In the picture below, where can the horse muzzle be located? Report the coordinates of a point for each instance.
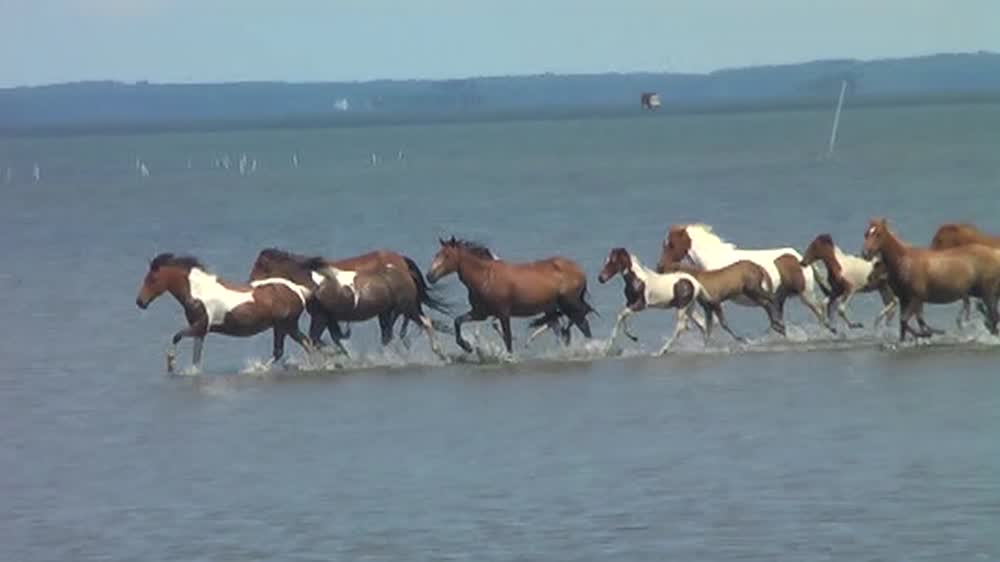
(141, 303)
(432, 277)
(602, 278)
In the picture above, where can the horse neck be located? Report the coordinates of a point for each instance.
(179, 286)
(834, 261)
(471, 268)
(893, 249)
(640, 271)
(711, 256)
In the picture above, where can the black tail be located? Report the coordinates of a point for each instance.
(425, 292)
(583, 299)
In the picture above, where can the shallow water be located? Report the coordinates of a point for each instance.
(817, 448)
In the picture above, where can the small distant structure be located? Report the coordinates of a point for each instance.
(342, 104)
(295, 160)
(650, 101)
(143, 170)
(36, 173)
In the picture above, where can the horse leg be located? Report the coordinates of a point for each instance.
(888, 306)
(725, 325)
(842, 312)
(709, 321)
(472, 315)
(508, 338)
(780, 296)
(198, 330)
(928, 330)
(428, 327)
(278, 350)
(806, 300)
(317, 325)
(680, 326)
(621, 322)
(964, 313)
(336, 335)
(298, 337)
(385, 322)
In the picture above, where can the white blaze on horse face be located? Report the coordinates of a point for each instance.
(302, 292)
(317, 278)
(217, 299)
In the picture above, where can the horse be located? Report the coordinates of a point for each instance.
(553, 287)
(921, 275)
(272, 262)
(385, 291)
(743, 278)
(700, 244)
(212, 305)
(645, 288)
(956, 234)
(848, 275)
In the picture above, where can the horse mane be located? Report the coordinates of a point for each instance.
(475, 248)
(277, 254)
(706, 235)
(168, 259)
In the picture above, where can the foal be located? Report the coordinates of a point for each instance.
(644, 288)
(740, 280)
(211, 305)
(920, 275)
(847, 275)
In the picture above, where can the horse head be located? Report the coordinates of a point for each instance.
(875, 236)
(448, 256)
(165, 272)
(618, 262)
(820, 248)
(272, 262)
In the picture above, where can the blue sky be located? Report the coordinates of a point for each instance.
(45, 41)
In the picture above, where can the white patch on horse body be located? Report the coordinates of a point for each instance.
(854, 269)
(317, 278)
(344, 278)
(217, 299)
(659, 291)
(302, 292)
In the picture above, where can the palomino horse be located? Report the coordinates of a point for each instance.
(740, 279)
(384, 291)
(272, 262)
(644, 288)
(954, 234)
(553, 287)
(708, 251)
(919, 275)
(211, 305)
(847, 275)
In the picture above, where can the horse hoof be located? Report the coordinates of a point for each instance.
(856, 325)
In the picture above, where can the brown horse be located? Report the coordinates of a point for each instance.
(847, 275)
(956, 234)
(919, 275)
(742, 279)
(272, 262)
(211, 305)
(385, 291)
(553, 287)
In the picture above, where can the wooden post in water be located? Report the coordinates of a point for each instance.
(836, 117)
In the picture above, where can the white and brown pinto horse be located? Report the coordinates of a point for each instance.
(700, 244)
(645, 288)
(920, 275)
(553, 287)
(848, 275)
(212, 305)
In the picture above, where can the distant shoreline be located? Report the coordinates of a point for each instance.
(360, 119)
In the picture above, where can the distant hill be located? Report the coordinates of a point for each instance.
(119, 106)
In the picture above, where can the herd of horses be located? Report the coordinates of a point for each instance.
(696, 274)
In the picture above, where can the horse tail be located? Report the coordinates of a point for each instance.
(587, 307)
(426, 293)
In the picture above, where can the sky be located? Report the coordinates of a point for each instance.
(49, 41)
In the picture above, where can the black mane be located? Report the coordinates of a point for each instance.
(475, 248)
(167, 259)
(825, 239)
(276, 254)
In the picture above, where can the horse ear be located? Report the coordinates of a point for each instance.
(441, 241)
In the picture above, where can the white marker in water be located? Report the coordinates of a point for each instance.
(8, 175)
(295, 160)
(253, 166)
(399, 156)
(243, 164)
(143, 170)
(189, 163)
(374, 159)
(836, 118)
(36, 173)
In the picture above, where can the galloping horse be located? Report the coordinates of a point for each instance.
(919, 275)
(645, 288)
(952, 235)
(211, 305)
(553, 287)
(708, 251)
(847, 275)
(743, 278)
(272, 262)
(384, 291)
